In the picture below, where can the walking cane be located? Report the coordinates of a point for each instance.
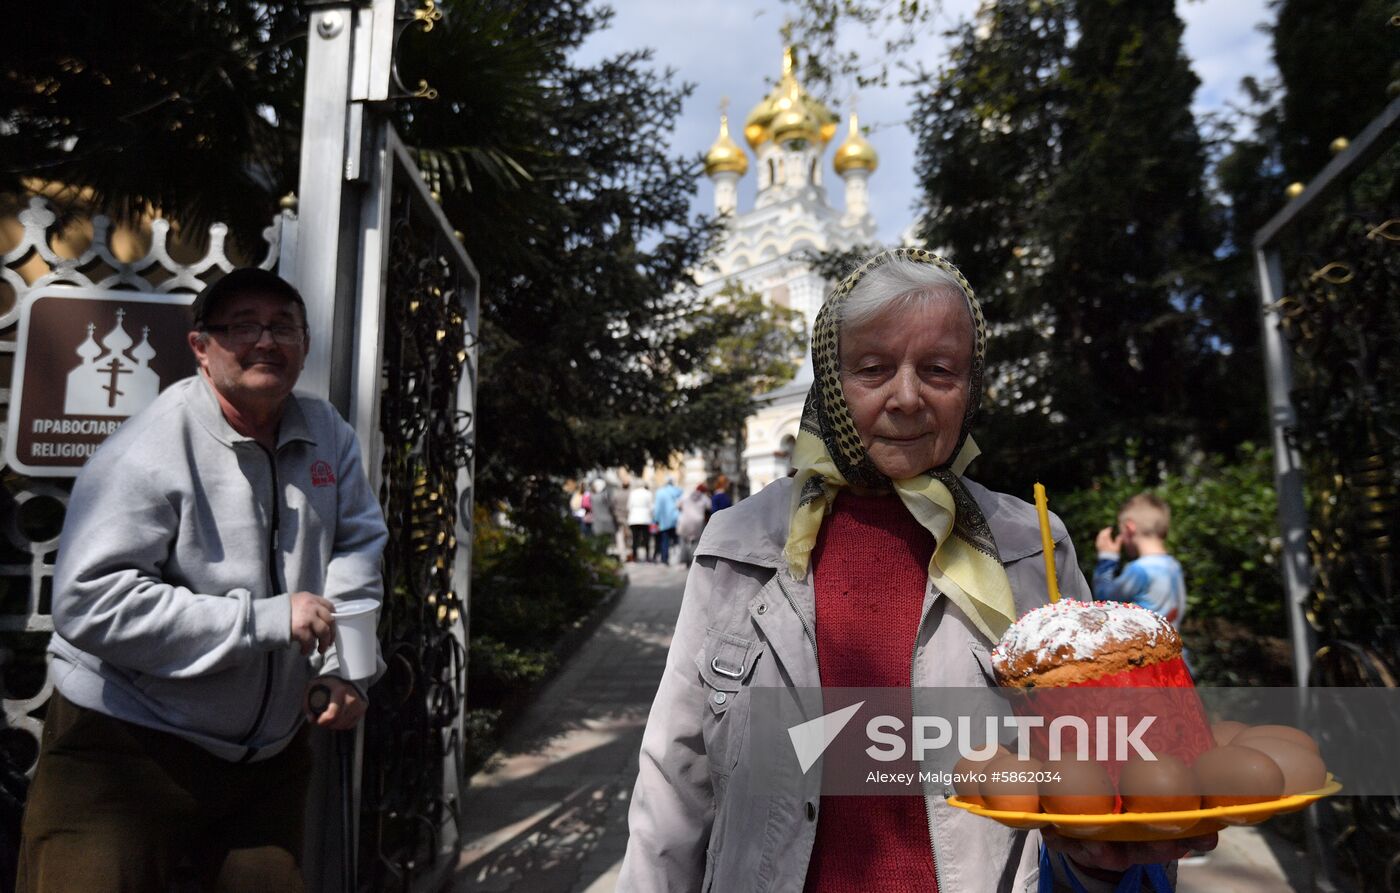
(318, 700)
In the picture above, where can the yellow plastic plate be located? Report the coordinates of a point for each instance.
(1143, 826)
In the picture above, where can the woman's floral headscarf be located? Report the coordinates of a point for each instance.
(829, 455)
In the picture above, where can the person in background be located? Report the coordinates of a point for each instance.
(206, 546)
(666, 512)
(618, 491)
(639, 519)
(1148, 577)
(884, 559)
(576, 509)
(721, 499)
(604, 524)
(695, 511)
(586, 503)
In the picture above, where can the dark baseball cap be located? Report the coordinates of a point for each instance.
(244, 281)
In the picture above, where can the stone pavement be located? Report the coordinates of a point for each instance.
(549, 812)
(1248, 860)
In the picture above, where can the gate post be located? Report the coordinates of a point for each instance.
(338, 267)
(330, 45)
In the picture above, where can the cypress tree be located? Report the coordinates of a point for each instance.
(1063, 170)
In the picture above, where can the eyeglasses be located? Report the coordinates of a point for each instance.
(251, 332)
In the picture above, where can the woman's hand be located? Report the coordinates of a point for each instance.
(1105, 859)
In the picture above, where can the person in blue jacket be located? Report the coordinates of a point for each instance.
(1148, 576)
(666, 513)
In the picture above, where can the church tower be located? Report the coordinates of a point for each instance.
(726, 164)
(766, 248)
(855, 161)
(788, 132)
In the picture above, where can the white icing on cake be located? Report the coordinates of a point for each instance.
(1068, 631)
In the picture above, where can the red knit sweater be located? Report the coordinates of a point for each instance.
(870, 568)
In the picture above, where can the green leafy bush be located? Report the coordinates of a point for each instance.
(534, 579)
(1224, 532)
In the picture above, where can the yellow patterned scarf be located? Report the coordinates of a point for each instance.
(829, 455)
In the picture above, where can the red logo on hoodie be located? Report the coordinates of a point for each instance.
(322, 475)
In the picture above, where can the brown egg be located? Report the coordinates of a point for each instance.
(1225, 730)
(1285, 733)
(1303, 770)
(1084, 788)
(1012, 794)
(1234, 775)
(1165, 784)
(964, 777)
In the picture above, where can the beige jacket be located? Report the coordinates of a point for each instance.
(694, 825)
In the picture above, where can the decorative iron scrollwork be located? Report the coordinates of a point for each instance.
(1344, 325)
(426, 17)
(414, 733)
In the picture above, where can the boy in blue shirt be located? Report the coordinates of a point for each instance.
(1149, 577)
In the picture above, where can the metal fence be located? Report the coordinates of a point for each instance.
(1329, 272)
(413, 747)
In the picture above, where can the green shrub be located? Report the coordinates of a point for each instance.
(533, 581)
(1224, 531)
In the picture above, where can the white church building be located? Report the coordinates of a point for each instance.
(766, 246)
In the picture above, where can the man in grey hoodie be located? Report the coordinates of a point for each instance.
(205, 548)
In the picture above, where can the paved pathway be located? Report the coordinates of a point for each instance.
(549, 813)
(1248, 860)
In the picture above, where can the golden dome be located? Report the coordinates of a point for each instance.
(725, 155)
(802, 116)
(855, 153)
(795, 122)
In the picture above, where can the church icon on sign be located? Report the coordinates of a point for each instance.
(113, 379)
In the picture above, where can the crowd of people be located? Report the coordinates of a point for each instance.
(638, 524)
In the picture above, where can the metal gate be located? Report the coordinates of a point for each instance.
(1332, 343)
(392, 305)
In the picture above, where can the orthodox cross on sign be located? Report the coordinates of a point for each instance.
(113, 369)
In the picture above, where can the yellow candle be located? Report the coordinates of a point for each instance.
(1047, 543)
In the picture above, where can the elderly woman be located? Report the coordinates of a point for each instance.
(883, 561)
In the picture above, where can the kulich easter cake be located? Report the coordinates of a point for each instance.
(1116, 667)
(1079, 643)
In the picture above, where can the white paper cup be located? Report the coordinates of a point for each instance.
(355, 639)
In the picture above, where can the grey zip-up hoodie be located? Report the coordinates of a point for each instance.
(181, 546)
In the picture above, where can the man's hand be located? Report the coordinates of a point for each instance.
(341, 711)
(313, 622)
(1107, 541)
(1105, 859)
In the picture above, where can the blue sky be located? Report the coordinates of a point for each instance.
(734, 49)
